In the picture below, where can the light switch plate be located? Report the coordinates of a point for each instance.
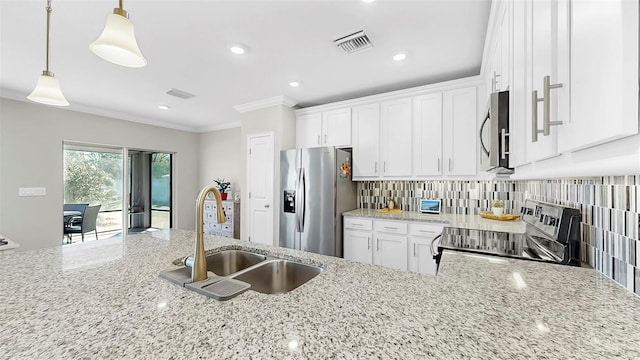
(35, 191)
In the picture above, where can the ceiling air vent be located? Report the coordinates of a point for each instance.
(179, 93)
(353, 42)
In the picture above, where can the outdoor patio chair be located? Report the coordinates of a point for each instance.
(88, 223)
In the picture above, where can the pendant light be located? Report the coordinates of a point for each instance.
(47, 90)
(117, 43)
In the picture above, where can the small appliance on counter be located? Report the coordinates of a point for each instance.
(552, 235)
(494, 133)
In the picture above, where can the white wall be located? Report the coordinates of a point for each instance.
(31, 155)
(221, 157)
(281, 121)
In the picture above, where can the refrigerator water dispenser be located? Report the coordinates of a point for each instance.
(289, 201)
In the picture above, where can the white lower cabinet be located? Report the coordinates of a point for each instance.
(398, 245)
(357, 246)
(420, 256)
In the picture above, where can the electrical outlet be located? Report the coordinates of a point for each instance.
(473, 194)
(36, 191)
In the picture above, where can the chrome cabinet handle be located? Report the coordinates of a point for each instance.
(318, 139)
(325, 138)
(414, 249)
(266, 206)
(546, 102)
(354, 224)
(438, 164)
(494, 82)
(546, 88)
(378, 244)
(449, 164)
(504, 134)
(385, 165)
(368, 243)
(427, 231)
(390, 228)
(534, 115)
(375, 167)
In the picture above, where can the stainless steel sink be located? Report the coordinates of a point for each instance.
(232, 272)
(227, 262)
(278, 276)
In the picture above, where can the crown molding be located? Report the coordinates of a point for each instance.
(225, 126)
(261, 104)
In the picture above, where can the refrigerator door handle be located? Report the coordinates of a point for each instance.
(303, 198)
(298, 200)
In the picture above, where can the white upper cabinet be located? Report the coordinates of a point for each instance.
(460, 132)
(366, 140)
(548, 73)
(309, 131)
(604, 73)
(427, 135)
(330, 128)
(395, 131)
(519, 95)
(499, 50)
(336, 127)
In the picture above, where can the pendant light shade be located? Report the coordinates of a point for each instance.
(117, 43)
(47, 89)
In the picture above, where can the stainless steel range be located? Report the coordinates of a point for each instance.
(552, 235)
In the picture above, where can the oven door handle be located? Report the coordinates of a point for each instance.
(434, 253)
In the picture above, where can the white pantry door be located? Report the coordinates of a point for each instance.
(260, 185)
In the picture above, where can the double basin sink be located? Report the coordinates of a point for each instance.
(231, 272)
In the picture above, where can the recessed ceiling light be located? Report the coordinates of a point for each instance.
(399, 56)
(238, 49)
(368, 1)
(295, 83)
(164, 107)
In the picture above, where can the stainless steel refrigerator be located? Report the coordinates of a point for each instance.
(315, 189)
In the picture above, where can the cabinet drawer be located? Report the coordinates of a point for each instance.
(392, 227)
(357, 223)
(209, 206)
(427, 230)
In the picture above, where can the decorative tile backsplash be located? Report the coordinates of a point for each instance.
(610, 209)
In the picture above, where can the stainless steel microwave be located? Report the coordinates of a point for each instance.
(494, 135)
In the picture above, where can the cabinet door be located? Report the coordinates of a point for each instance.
(396, 137)
(546, 43)
(308, 131)
(390, 251)
(336, 128)
(427, 135)
(459, 131)
(519, 96)
(366, 140)
(357, 246)
(604, 73)
(420, 257)
(505, 47)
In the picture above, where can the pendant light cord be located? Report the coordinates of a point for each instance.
(48, 20)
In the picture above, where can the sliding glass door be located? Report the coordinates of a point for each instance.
(160, 190)
(93, 175)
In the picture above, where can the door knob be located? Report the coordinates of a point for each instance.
(266, 205)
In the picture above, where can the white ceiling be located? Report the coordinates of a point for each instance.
(186, 44)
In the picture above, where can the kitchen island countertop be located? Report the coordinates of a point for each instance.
(105, 300)
(452, 220)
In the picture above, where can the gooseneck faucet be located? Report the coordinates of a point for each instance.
(199, 266)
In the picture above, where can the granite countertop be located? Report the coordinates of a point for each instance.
(459, 221)
(105, 300)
